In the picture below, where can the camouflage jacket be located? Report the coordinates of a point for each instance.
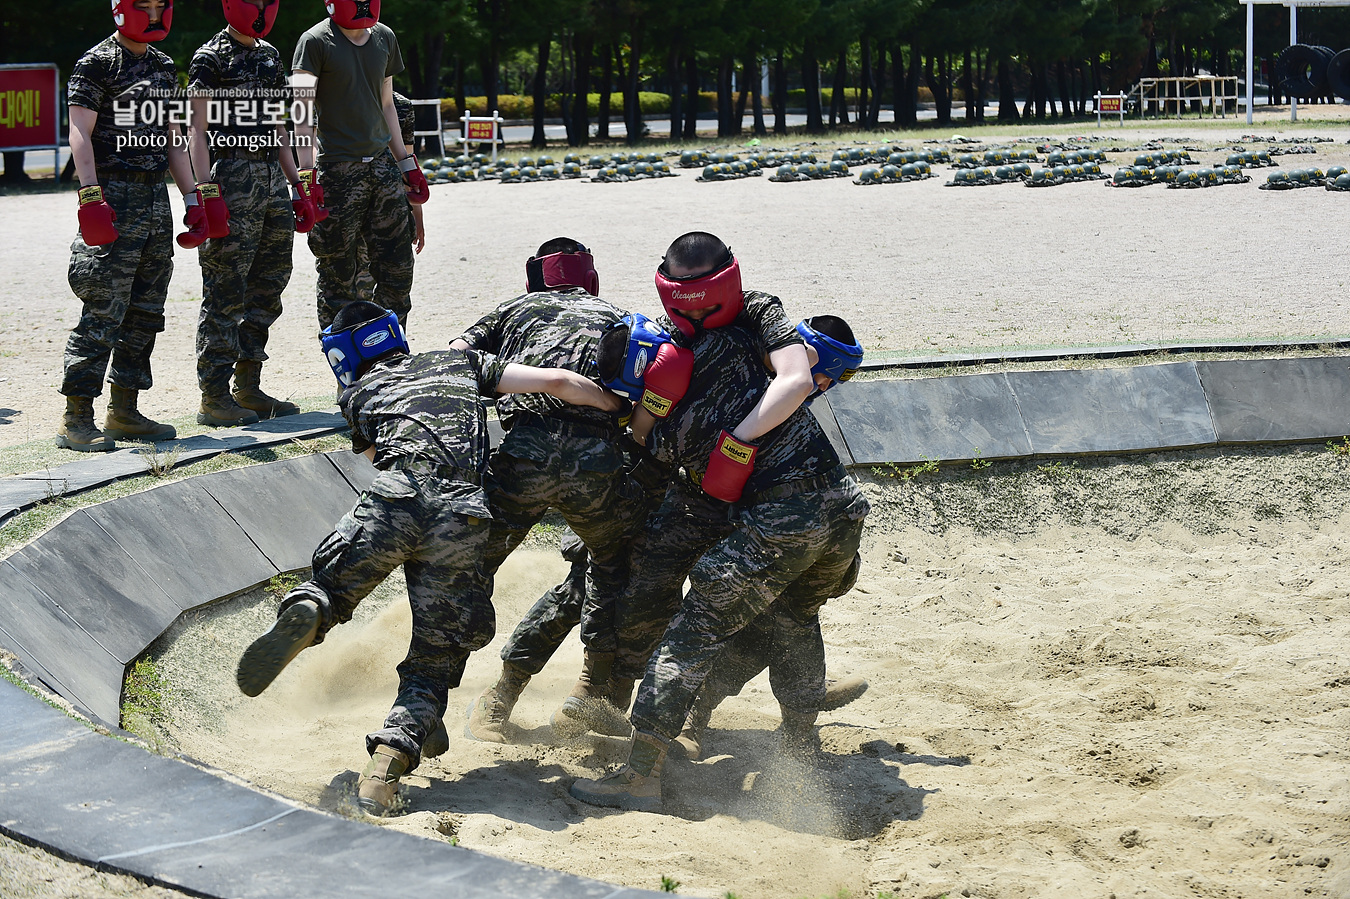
(549, 329)
(763, 315)
(138, 90)
(240, 80)
(405, 110)
(728, 380)
(426, 410)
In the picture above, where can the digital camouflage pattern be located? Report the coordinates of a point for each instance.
(122, 285)
(365, 282)
(548, 622)
(243, 274)
(762, 316)
(109, 75)
(242, 79)
(795, 535)
(794, 653)
(427, 512)
(414, 521)
(548, 329)
(367, 207)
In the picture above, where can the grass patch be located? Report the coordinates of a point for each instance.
(145, 698)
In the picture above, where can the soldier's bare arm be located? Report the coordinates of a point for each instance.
(565, 385)
(82, 123)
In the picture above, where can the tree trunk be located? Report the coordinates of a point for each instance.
(1007, 100)
(879, 68)
(424, 71)
(606, 85)
(815, 122)
(632, 101)
(460, 103)
(912, 84)
(779, 94)
(1062, 77)
(942, 92)
(676, 94)
(14, 173)
(725, 103)
(864, 82)
(541, 94)
(968, 86)
(748, 81)
(579, 128)
(757, 103)
(839, 96)
(691, 85)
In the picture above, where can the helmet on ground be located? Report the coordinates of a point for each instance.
(870, 176)
(1279, 176)
(839, 166)
(1342, 181)
(908, 170)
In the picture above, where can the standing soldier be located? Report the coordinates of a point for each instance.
(239, 98)
(121, 262)
(365, 283)
(350, 59)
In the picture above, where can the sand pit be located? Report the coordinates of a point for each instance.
(1104, 678)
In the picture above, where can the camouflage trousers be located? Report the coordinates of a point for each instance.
(581, 477)
(243, 274)
(122, 285)
(404, 519)
(367, 206)
(796, 550)
(553, 615)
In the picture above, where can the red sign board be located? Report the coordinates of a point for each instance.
(1108, 104)
(481, 130)
(29, 107)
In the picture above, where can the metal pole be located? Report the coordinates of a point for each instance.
(1293, 39)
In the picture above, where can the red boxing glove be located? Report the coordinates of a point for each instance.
(729, 467)
(310, 178)
(666, 379)
(418, 190)
(302, 204)
(217, 214)
(195, 220)
(96, 217)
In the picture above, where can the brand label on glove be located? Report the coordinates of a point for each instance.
(210, 190)
(656, 405)
(91, 194)
(736, 452)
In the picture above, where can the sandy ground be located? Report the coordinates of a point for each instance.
(1113, 678)
(917, 268)
(1103, 679)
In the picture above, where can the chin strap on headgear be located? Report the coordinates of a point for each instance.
(837, 361)
(562, 270)
(645, 339)
(350, 351)
(135, 23)
(247, 19)
(720, 288)
(354, 13)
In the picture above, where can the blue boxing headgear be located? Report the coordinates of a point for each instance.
(836, 360)
(350, 350)
(645, 337)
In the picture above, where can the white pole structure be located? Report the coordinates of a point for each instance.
(1293, 39)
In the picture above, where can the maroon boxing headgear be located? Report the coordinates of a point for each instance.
(354, 13)
(247, 19)
(135, 23)
(720, 287)
(562, 270)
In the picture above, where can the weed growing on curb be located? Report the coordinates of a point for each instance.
(1341, 449)
(891, 470)
(1057, 469)
(145, 696)
(979, 462)
(668, 884)
(160, 464)
(281, 584)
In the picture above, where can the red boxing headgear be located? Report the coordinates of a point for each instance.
(135, 23)
(354, 13)
(562, 270)
(247, 19)
(720, 287)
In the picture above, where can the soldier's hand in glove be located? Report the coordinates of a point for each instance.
(729, 467)
(311, 179)
(302, 204)
(217, 214)
(417, 188)
(96, 217)
(195, 220)
(666, 379)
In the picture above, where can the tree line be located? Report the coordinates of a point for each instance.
(1027, 59)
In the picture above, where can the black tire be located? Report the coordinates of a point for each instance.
(1338, 74)
(1302, 70)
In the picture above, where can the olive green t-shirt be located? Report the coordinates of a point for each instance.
(347, 101)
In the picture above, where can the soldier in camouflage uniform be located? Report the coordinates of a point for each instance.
(121, 261)
(364, 170)
(245, 272)
(562, 458)
(365, 282)
(421, 421)
(797, 524)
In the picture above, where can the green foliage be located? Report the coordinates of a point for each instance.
(891, 470)
(1057, 469)
(979, 461)
(281, 584)
(668, 884)
(1341, 449)
(145, 696)
(514, 106)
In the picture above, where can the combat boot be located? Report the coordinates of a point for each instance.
(797, 734)
(248, 392)
(636, 786)
(690, 739)
(378, 787)
(295, 628)
(839, 693)
(78, 431)
(621, 692)
(221, 411)
(437, 742)
(125, 422)
(588, 704)
(491, 711)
